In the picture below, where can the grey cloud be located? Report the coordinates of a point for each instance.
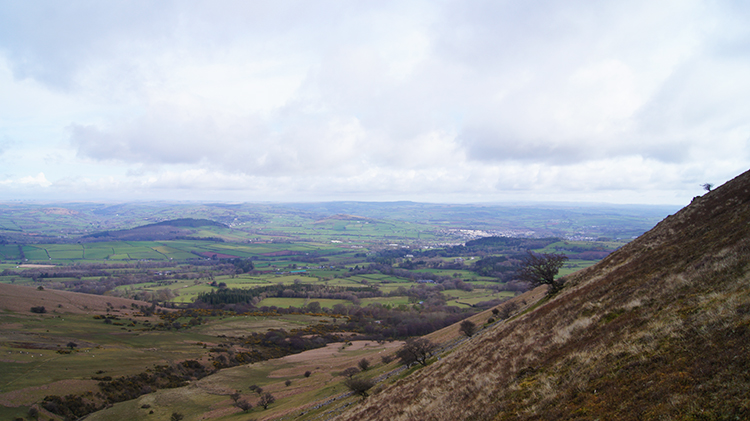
(51, 41)
(54, 42)
(486, 144)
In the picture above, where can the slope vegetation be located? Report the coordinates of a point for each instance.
(660, 329)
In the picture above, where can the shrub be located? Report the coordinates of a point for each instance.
(38, 309)
(350, 372)
(359, 385)
(308, 373)
(363, 364)
(468, 328)
(33, 412)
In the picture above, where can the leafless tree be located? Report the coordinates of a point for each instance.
(416, 350)
(350, 372)
(266, 400)
(541, 269)
(244, 405)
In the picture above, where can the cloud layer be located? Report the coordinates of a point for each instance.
(435, 101)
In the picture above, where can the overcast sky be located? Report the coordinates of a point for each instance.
(435, 101)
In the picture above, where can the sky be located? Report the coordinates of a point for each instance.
(637, 102)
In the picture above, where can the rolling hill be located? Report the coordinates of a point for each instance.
(165, 230)
(660, 329)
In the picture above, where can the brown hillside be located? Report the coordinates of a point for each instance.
(660, 329)
(21, 298)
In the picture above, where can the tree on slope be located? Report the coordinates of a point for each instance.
(541, 269)
(266, 400)
(468, 328)
(416, 350)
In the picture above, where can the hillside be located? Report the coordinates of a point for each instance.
(659, 329)
(15, 298)
(165, 230)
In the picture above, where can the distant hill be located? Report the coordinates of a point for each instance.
(342, 217)
(187, 222)
(660, 329)
(165, 230)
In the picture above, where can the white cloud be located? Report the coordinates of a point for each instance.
(28, 181)
(446, 101)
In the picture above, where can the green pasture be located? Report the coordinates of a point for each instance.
(65, 251)
(574, 266)
(179, 250)
(9, 252)
(35, 253)
(464, 299)
(393, 301)
(115, 350)
(485, 282)
(238, 326)
(342, 282)
(387, 288)
(283, 302)
(380, 278)
(323, 273)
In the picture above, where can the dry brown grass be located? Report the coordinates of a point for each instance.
(660, 329)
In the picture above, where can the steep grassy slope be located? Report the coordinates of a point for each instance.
(658, 330)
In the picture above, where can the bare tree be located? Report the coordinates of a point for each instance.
(350, 372)
(707, 187)
(508, 310)
(244, 405)
(266, 400)
(235, 397)
(541, 269)
(416, 350)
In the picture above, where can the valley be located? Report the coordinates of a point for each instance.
(290, 299)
